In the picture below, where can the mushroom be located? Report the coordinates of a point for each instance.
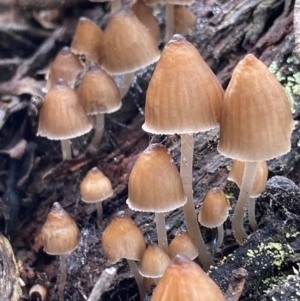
(98, 94)
(60, 236)
(184, 20)
(88, 41)
(128, 50)
(38, 292)
(256, 125)
(67, 66)
(259, 185)
(214, 212)
(183, 244)
(123, 239)
(184, 280)
(184, 97)
(95, 188)
(62, 117)
(155, 186)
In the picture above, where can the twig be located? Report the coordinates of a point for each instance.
(236, 284)
(102, 284)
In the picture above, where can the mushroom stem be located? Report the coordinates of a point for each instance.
(242, 202)
(99, 213)
(99, 130)
(63, 276)
(169, 22)
(115, 6)
(138, 278)
(186, 173)
(125, 84)
(161, 231)
(66, 149)
(220, 237)
(251, 214)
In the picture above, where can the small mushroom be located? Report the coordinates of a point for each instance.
(38, 292)
(60, 236)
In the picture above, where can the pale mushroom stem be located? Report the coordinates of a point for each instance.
(186, 173)
(63, 277)
(242, 202)
(115, 6)
(99, 213)
(169, 22)
(251, 214)
(99, 130)
(125, 84)
(138, 278)
(220, 237)
(161, 231)
(66, 149)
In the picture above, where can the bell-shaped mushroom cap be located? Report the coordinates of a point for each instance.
(256, 121)
(183, 96)
(178, 2)
(95, 187)
(183, 244)
(184, 20)
(60, 234)
(129, 49)
(145, 15)
(214, 210)
(154, 262)
(61, 115)
(261, 176)
(88, 40)
(184, 280)
(38, 292)
(67, 66)
(97, 92)
(154, 182)
(123, 239)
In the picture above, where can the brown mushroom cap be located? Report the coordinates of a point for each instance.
(95, 187)
(184, 280)
(261, 176)
(154, 262)
(67, 66)
(123, 239)
(184, 19)
(97, 92)
(214, 210)
(129, 49)
(60, 234)
(183, 244)
(154, 182)
(61, 115)
(145, 15)
(183, 96)
(256, 121)
(88, 40)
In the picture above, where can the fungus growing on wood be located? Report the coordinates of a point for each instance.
(62, 117)
(38, 292)
(67, 66)
(184, 20)
(155, 186)
(60, 236)
(123, 239)
(95, 188)
(98, 94)
(184, 280)
(259, 185)
(214, 212)
(256, 125)
(184, 86)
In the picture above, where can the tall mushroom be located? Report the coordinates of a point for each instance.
(155, 186)
(184, 97)
(256, 125)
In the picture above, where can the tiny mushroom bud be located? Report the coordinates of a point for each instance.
(154, 262)
(123, 239)
(95, 188)
(259, 185)
(184, 280)
(214, 212)
(60, 236)
(62, 116)
(183, 244)
(38, 292)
